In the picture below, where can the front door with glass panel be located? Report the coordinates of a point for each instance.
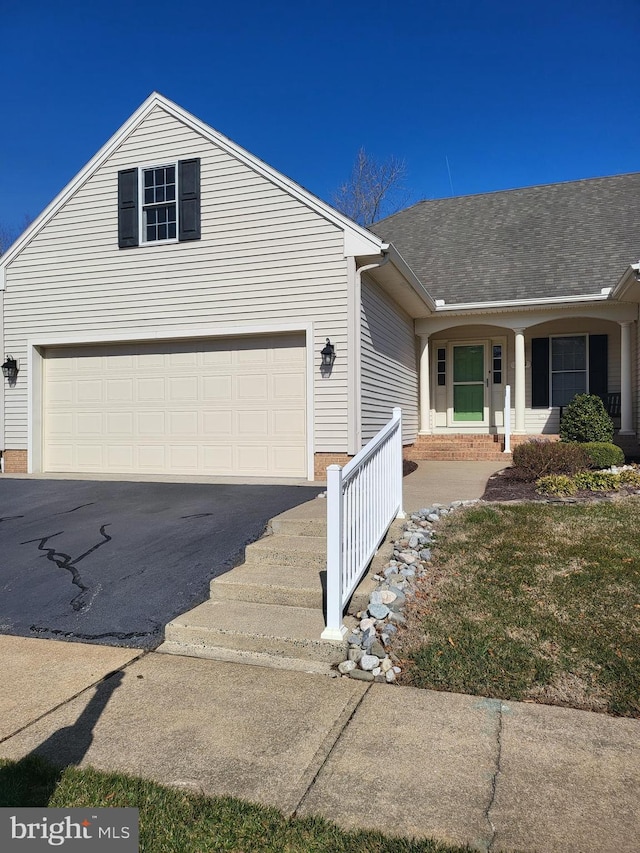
(469, 384)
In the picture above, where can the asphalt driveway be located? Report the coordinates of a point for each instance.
(113, 562)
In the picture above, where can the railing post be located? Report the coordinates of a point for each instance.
(397, 415)
(334, 630)
(507, 419)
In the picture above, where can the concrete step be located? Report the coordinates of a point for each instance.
(266, 583)
(307, 519)
(246, 632)
(310, 552)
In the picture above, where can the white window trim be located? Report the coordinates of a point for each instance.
(142, 231)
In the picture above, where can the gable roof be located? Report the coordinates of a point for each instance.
(358, 240)
(556, 240)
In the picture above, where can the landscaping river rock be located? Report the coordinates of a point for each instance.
(370, 657)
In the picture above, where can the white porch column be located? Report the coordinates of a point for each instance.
(626, 393)
(519, 383)
(425, 379)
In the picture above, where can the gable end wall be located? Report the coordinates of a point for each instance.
(264, 258)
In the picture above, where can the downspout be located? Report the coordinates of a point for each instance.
(354, 443)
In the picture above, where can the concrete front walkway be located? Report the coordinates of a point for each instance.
(498, 775)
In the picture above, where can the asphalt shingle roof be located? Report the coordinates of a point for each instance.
(567, 239)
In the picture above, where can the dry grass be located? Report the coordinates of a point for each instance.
(532, 601)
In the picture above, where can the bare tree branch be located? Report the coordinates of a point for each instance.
(375, 189)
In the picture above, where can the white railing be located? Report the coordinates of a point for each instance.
(507, 419)
(363, 498)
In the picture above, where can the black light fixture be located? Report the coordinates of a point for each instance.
(328, 354)
(10, 369)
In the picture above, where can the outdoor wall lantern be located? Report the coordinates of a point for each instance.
(10, 369)
(328, 354)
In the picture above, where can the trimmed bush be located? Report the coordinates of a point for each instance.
(597, 481)
(603, 454)
(585, 419)
(535, 459)
(630, 477)
(556, 484)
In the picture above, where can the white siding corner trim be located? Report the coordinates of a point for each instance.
(36, 347)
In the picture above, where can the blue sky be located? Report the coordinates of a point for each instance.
(512, 93)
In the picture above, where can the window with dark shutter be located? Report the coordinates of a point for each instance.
(159, 204)
(598, 366)
(127, 208)
(189, 189)
(540, 372)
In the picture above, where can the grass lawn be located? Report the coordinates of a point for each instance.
(534, 602)
(172, 821)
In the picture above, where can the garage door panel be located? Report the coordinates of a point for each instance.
(119, 390)
(150, 423)
(229, 406)
(150, 389)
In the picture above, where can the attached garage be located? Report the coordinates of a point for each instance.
(227, 406)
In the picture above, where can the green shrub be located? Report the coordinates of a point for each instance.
(603, 454)
(597, 481)
(535, 459)
(585, 419)
(556, 484)
(630, 477)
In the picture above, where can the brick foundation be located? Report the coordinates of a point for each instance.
(463, 447)
(321, 462)
(15, 461)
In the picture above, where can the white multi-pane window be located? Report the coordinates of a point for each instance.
(159, 207)
(568, 368)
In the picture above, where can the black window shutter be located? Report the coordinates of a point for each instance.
(189, 190)
(598, 365)
(540, 372)
(127, 208)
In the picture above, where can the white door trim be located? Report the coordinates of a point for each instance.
(484, 423)
(35, 347)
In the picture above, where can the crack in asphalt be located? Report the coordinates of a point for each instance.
(10, 517)
(118, 635)
(67, 562)
(67, 511)
(198, 515)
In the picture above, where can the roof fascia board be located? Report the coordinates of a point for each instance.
(630, 277)
(408, 274)
(358, 240)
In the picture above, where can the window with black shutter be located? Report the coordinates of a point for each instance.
(565, 365)
(159, 204)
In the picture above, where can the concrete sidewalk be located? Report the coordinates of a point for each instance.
(498, 775)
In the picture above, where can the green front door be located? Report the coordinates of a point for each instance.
(468, 383)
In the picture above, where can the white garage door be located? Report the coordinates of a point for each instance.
(224, 406)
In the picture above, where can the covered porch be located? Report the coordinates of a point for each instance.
(546, 356)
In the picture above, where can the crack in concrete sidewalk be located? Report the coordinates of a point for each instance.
(494, 778)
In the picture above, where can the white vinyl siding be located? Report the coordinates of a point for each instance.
(389, 373)
(264, 258)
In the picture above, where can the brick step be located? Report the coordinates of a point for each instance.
(458, 456)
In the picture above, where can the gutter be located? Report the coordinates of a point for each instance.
(441, 307)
